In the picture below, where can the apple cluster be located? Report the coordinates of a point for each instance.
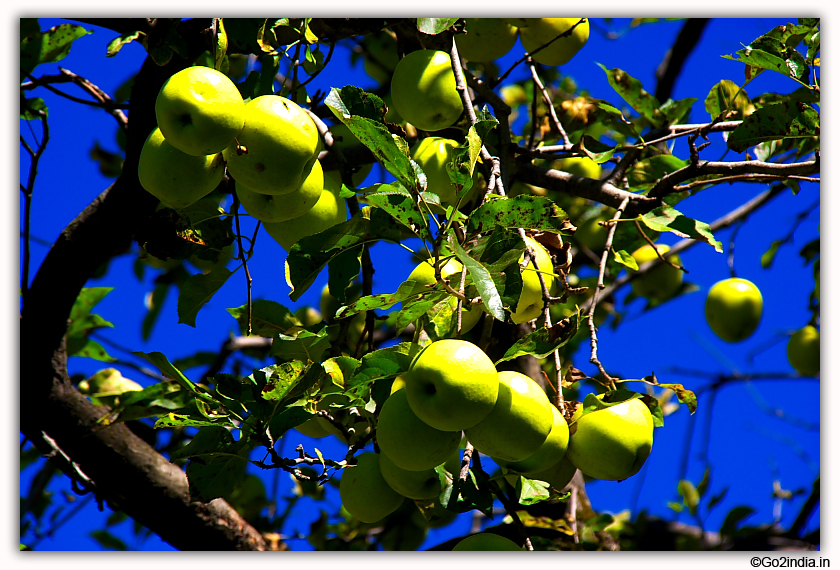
(452, 390)
(423, 87)
(269, 145)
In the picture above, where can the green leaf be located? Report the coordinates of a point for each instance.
(734, 518)
(304, 345)
(633, 93)
(684, 395)
(434, 26)
(208, 441)
(220, 52)
(533, 491)
(543, 341)
(666, 218)
(107, 540)
(281, 378)
(676, 111)
(167, 369)
(600, 522)
(47, 47)
(625, 258)
(363, 113)
(218, 476)
(117, 44)
(772, 51)
(689, 494)
(371, 302)
(88, 348)
(403, 207)
(785, 120)
(769, 255)
(197, 290)
(311, 254)
(523, 211)
(81, 320)
(482, 280)
(268, 318)
(727, 95)
(33, 108)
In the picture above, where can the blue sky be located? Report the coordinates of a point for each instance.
(750, 444)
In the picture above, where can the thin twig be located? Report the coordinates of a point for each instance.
(243, 257)
(602, 267)
(551, 111)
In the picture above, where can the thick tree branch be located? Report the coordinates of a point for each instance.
(674, 60)
(128, 473)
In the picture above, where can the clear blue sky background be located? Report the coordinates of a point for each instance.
(760, 432)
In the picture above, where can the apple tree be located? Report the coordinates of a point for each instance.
(531, 208)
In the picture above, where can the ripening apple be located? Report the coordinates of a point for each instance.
(200, 111)
(549, 453)
(733, 309)
(433, 154)
(486, 541)
(423, 90)
(270, 208)
(175, 178)
(328, 211)
(451, 385)
(382, 56)
(486, 39)
(424, 274)
(409, 535)
(535, 32)
(417, 485)
(364, 492)
(613, 442)
(592, 235)
(558, 475)
(531, 301)
(580, 166)
(518, 424)
(408, 441)
(276, 149)
(663, 281)
(803, 351)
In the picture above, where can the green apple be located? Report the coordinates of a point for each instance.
(662, 282)
(106, 386)
(558, 475)
(276, 149)
(592, 235)
(407, 536)
(451, 385)
(328, 211)
(175, 178)
(549, 453)
(200, 111)
(423, 90)
(424, 275)
(433, 154)
(318, 428)
(486, 39)
(364, 492)
(272, 208)
(531, 301)
(412, 484)
(518, 424)
(344, 139)
(803, 351)
(410, 443)
(580, 166)
(613, 442)
(381, 57)
(486, 541)
(535, 32)
(733, 309)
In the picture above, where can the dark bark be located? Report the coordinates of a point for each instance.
(676, 57)
(127, 472)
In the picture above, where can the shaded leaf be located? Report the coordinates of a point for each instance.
(734, 518)
(402, 205)
(785, 120)
(281, 378)
(304, 345)
(434, 26)
(543, 341)
(523, 211)
(666, 218)
(646, 172)
(268, 318)
(197, 290)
